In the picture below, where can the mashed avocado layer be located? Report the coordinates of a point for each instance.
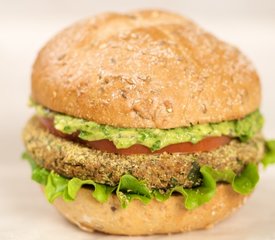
(153, 138)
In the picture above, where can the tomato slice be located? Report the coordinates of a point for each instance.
(205, 145)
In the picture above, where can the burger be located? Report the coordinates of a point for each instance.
(144, 124)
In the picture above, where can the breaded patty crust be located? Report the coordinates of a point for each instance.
(164, 170)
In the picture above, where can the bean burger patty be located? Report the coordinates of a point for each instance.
(71, 159)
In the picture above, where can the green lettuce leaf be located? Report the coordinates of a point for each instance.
(198, 196)
(101, 192)
(247, 181)
(39, 175)
(130, 188)
(195, 197)
(269, 157)
(56, 186)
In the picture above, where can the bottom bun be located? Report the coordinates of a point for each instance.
(154, 218)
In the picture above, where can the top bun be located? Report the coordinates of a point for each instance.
(145, 69)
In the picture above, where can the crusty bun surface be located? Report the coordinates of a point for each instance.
(144, 69)
(154, 218)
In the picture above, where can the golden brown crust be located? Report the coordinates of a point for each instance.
(144, 69)
(154, 218)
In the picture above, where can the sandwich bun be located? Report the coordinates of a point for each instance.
(155, 218)
(145, 69)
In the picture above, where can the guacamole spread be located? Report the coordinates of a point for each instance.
(153, 138)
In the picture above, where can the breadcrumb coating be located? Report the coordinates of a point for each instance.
(160, 171)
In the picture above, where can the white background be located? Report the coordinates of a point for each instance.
(26, 25)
